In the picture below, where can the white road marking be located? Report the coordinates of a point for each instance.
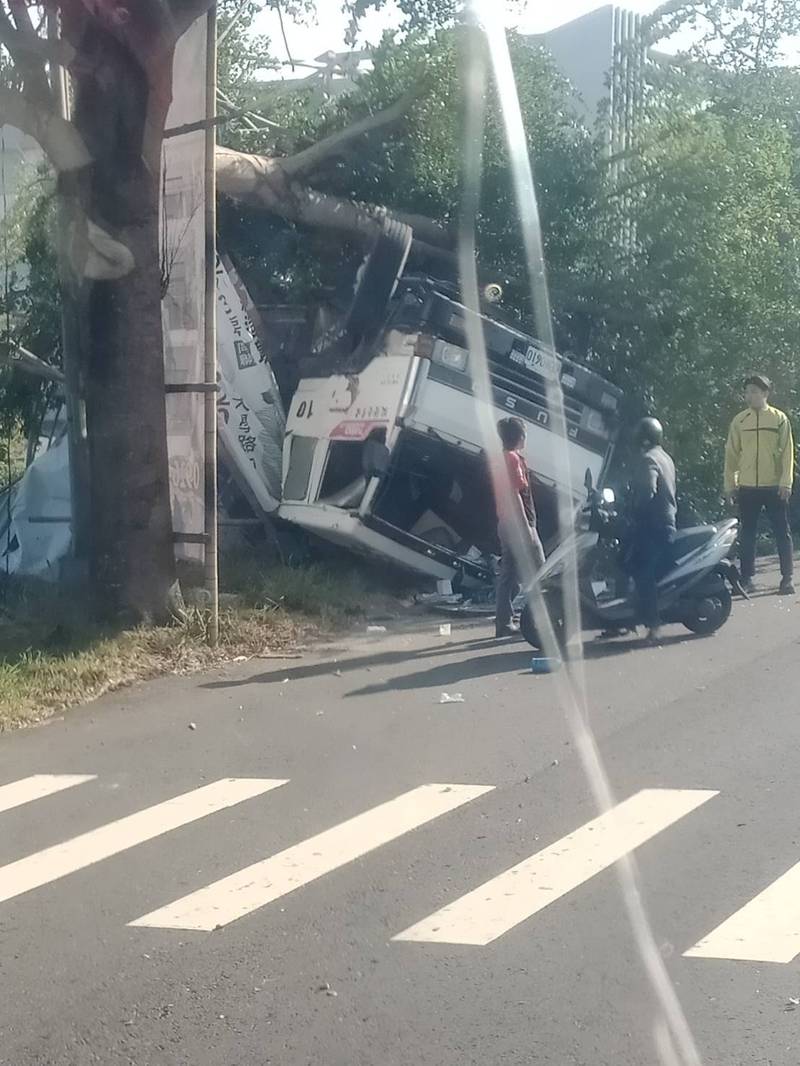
(489, 911)
(42, 867)
(255, 886)
(27, 789)
(767, 929)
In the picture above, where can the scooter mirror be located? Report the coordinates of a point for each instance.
(588, 480)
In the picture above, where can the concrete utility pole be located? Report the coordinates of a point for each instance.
(210, 338)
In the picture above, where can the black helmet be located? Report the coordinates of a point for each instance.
(649, 433)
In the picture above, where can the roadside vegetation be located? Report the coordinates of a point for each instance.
(52, 658)
(674, 272)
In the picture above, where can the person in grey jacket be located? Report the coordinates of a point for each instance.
(653, 510)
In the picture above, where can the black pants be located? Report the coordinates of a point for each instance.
(651, 557)
(751, 504)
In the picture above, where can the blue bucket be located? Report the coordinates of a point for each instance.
(545, 665)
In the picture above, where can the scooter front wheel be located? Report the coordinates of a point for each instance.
(709, 613)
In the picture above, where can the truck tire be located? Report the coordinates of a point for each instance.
(376, 286)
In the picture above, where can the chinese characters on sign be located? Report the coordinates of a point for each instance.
(250, 415)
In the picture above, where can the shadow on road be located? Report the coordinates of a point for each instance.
(449, 675)
(346, 664)
(507, 656)
(604, 649)
(516, 659)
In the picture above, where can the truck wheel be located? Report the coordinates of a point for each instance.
(709, 613)
(378, 281)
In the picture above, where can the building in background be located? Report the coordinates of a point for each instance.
(602, 55)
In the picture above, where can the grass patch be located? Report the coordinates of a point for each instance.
(331, 592)
(46, 667)
(52, 657)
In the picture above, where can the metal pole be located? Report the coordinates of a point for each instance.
(210, 338)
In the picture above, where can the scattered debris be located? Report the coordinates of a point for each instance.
(241, 659)
(792, 1004)
(285, 681)
(554, 762)
(455, 698)
(436, 599)
(445, 630)
(376, 629)
(338, 673)
(192, 725)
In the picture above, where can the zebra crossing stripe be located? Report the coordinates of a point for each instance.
(232, 897)
(28, 789)
(55, 862)
(767, 929)
(494, 908)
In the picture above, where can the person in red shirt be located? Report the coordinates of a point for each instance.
(516, 522)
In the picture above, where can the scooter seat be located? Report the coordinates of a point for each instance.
(686, 540)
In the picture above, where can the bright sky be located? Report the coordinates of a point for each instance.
(307, 42)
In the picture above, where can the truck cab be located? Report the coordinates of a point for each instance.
(389, 459)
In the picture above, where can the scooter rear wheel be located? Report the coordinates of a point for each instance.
(527, 627)
(530, 632)
(710, 613)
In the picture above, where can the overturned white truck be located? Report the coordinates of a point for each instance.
(387, 457)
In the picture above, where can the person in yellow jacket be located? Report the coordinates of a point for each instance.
(759, 474)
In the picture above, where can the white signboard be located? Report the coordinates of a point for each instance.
(183, 255)
(250, 416)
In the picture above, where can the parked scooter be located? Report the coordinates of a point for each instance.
(695, 592)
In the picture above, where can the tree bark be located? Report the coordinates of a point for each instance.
(120, 111)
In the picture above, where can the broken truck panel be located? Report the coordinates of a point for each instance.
(250, 416)
(389, 460)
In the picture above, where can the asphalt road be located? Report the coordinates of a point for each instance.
(332, 947)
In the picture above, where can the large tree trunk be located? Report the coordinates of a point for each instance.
(131, 542)
(120, 112)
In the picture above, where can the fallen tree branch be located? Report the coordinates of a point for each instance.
(309, 159)
(24, 45)
(21, 43)
(263, 181)
(57, 138)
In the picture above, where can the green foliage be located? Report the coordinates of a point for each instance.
(241, 54)
(29, 304)
(415, 166)
(736, 35)
(706, 290)
(675, 271)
